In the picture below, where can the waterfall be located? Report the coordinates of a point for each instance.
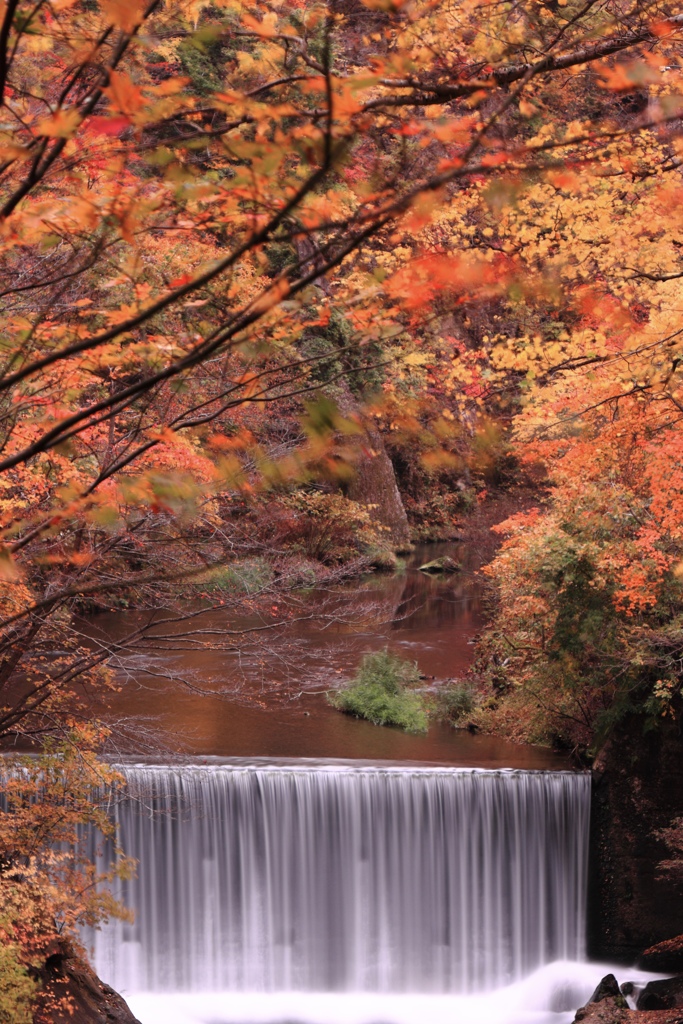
(346, 878)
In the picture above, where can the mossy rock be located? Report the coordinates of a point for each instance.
(439, 565)
(384, 560)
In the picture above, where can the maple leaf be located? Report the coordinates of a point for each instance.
(62, 124)
(123, 94)
(107, 125)
(627, 77)
(124, 14)
(8, 569)
(266, 28)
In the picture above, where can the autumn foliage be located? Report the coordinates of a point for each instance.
(234, 234)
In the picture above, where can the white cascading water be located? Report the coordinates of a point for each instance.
(344, 878)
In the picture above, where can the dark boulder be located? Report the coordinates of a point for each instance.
(608, 987)
(605, 1004)
(666, 994)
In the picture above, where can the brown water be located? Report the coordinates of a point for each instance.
(186, 689)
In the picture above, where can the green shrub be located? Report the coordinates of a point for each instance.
(455, 702)
(339, 349)
(280, 255)
(248, 577)
(202, 65)
(381, 693)
(17, 989)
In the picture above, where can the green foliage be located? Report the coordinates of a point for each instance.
(280, 256)
(455, 702)
(381, 692)
(564, 660)
(247, 577)
(17, 988)
(344, 354)
(434, 512)
(200, 64)
(385, 560)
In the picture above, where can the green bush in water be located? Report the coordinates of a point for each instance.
(455, 702)
(381, 693)
(248, 577)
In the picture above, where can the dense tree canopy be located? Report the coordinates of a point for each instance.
(191, 192)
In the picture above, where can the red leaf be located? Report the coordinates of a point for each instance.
(107, 125)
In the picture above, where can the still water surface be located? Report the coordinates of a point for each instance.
(198, 695)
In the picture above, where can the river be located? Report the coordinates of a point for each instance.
(194, 695)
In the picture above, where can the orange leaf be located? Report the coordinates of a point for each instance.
(124, 14)
(662, 28)
(60, 125)
(494, 159)
(265, 28)
(123, 94)
(627, 77)
(8, 570)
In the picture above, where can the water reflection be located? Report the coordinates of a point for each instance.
(254, 686)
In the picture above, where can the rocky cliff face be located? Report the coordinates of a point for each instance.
(67, 977)
(374, 482)
(638, 789)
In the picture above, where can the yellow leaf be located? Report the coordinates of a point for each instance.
(61, 125)
(36, 43)
(169, 86)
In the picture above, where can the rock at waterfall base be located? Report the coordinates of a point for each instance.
(608, 1006)
(666, 994)
(607, 989)
(67, 974)
(611, 1011)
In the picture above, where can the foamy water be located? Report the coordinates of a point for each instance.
(341, 893)
(550, 995)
